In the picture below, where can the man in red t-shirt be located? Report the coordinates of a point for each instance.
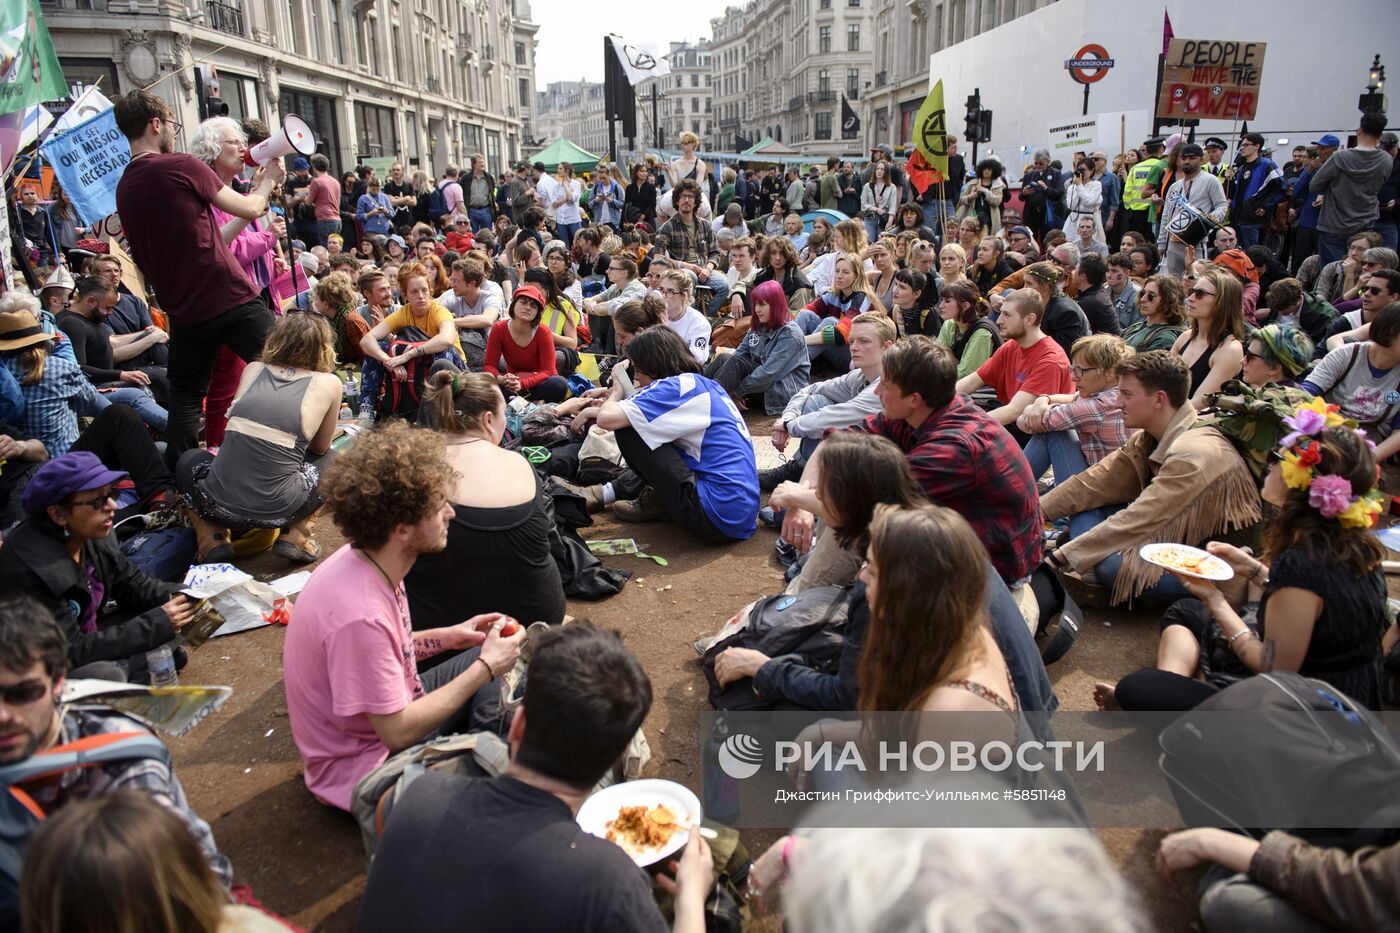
(324, 195)
(164, 201)
(1028, 364)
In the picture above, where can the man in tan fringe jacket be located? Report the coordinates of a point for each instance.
(1167, 483)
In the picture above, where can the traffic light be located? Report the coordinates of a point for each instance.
(973, 119)
(206, 90)
(984, 126)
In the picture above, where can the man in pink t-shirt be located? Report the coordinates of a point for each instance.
(1027, 365)
(350, 662)
(324, 195)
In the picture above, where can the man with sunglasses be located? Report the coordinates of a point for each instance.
(164, 199)
(33, 666)
(1382, 290)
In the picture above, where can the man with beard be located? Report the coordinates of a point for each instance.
(1194, 195)
(33, 665)
(99, 351)
(163, 198)
(350, 662)
(1040, 187)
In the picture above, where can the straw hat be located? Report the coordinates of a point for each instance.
(20, 329)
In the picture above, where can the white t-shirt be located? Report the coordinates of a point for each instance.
(695, 330)
(568, 212)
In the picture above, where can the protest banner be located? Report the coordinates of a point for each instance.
(88, 161)
(1214, 79)
(1077, 134)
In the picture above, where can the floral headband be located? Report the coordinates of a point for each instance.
(1301, 452)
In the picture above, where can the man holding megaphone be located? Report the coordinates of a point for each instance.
(163, 199)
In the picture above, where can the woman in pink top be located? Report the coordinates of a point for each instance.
(527, 350)
(219, 142)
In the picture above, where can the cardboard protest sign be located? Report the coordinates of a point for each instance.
(1077, 134)
(1213, 79)
(89, 161)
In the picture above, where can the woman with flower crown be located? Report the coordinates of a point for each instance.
(1319, 589)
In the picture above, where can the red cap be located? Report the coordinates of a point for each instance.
(528, 291)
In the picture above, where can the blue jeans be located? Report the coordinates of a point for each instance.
(838, 356)
(1330, 247)
(1168, 588)
(324, 228)
(809, 444)
(931, 216)
(480, 217)
(1249, 235)
(372, 376)
(872, 228)
(566, 232)
(1390, 234)
(719, 291)
(142, 402)
(1058, 449)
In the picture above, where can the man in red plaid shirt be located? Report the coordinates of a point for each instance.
(961, 457)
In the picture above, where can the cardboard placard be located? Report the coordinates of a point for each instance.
(1212, 79)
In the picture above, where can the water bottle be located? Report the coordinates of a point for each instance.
(161, 663)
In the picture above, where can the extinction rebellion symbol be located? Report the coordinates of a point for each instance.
(934, 134)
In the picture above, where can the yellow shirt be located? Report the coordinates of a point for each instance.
(429, 324)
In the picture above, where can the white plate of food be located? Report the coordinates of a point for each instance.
(1187, 561)
(649, 819)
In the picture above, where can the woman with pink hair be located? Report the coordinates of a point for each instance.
(772, 360)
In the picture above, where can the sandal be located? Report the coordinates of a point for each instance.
(301, 555)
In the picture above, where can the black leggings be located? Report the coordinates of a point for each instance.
(1153, 689)
(666, 473)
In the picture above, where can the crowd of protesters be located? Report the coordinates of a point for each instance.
(988, 380)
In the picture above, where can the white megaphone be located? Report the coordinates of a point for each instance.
(294, 136)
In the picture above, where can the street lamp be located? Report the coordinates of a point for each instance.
(1373, 101)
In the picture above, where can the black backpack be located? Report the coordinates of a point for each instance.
(1224, 760)
(810, 624)
(401, 399)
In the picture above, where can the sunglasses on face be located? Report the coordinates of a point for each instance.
(96, 502)
(1374, 290)
(1199, 292)
(1149, 296)
(23, 693)
(1251, 355)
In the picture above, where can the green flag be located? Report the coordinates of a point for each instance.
(931, 130)
(29, 69)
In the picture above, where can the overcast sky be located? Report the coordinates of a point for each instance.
(570, 37)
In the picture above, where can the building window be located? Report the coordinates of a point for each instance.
(695, 127)
(375, 132)
(525, 92)
(520, 53)
(853, 37)
(695, 105)
(824, 81)
(374, 45)
(359, 40)
(695, 79)
(314, 25)
(397, 43)
(823, 38)
(410, 129)
(824, 5)
(852, 82)
(337, 39)
(298, 28)
(493, 153)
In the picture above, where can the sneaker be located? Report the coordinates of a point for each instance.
(769, 517)
(787, 553)
(789, 472)
(593, 495)
(647, 507)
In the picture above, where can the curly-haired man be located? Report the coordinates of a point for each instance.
(350, 667)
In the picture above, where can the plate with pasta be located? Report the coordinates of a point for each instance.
(1187, 561)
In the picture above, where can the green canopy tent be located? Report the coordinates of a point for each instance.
(562, 150)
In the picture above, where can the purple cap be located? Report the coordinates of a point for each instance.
(58, 479)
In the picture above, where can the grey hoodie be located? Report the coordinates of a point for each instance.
(1350, 180)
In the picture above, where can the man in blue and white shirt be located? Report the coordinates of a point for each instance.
(688, 450)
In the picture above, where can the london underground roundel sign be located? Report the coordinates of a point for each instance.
(1089, 64)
